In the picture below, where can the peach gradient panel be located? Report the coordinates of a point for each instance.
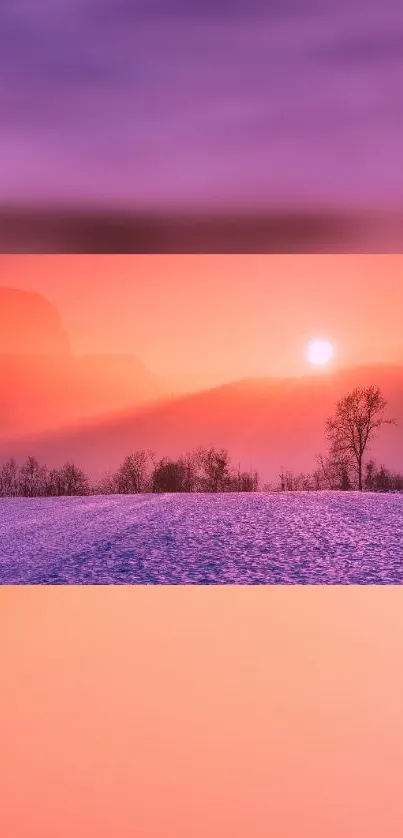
(159, 712)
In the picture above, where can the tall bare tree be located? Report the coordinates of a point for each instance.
(357, 418)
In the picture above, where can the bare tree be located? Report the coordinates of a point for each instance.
(357, 418)
(32, 479)
(133, 474)
(215, 465)
(68, 480)
(381, 479)
(9, 479)
(107, 485)
(370, 475)
(191, 463)
(334, 471)
(248, 481)
(243, 481)
(73, 479)
(55, 483)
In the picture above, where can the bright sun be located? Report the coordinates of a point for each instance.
(320, 352)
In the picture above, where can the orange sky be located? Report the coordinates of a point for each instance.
(188, 712)
(226, 315)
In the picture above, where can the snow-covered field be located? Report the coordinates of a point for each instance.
(303, 538)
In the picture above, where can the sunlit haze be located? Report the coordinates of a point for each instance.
(223, 317)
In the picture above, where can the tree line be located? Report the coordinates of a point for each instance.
(203, 470)
(349, 432)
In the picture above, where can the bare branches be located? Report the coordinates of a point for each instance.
(357, 418)
(203, 470)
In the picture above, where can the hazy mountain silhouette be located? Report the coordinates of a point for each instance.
(43, 385)
(266, 423)
(30, 325)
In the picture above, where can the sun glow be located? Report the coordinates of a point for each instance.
(320, 352)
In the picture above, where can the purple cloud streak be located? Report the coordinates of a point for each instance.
(176, 103)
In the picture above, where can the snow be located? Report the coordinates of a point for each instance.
(291, 538)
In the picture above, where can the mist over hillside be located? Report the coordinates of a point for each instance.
(266, 424)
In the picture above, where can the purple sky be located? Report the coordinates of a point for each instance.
(172, 102)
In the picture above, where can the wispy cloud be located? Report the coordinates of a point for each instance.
(176, 102)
